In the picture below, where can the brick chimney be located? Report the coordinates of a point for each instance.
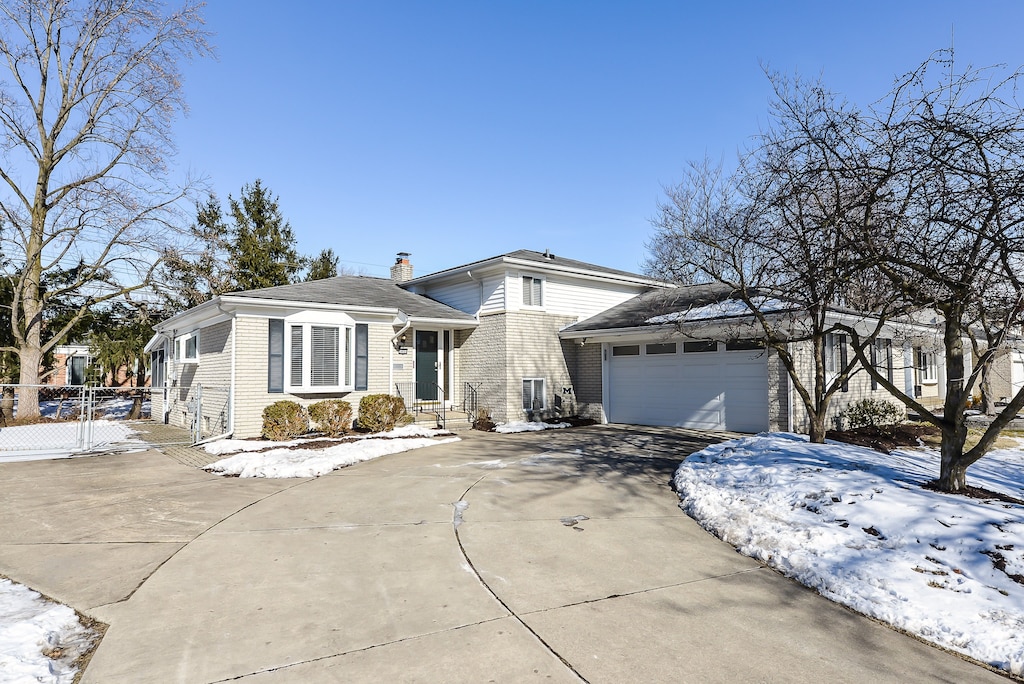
(401, 270)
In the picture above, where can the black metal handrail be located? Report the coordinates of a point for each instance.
(410, 393)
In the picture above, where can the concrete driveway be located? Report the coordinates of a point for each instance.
(364, 576)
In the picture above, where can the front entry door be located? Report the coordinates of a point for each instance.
(426, 365)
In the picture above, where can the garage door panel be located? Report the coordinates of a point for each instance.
(701, 390)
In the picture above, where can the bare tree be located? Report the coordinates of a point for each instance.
(86, 104)
(952, 238)
(775, 234)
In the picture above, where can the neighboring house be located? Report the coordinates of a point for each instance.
(523, 335)
(70, 365)
(1006, 376)
(73, 365)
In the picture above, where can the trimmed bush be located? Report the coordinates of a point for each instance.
(871, 413)
(382, 412)
(284, 420)
(332, 416)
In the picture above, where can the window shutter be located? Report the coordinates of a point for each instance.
(295, 377)
(888, 360)
(874, 361)
(362, 356)
(275, 356)
(324, 353)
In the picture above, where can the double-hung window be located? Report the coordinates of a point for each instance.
(186, 348)
(320, 358)
(925, 363)
(533, 394)
(533, 291)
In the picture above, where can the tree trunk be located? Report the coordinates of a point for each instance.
(988, 404)
(817, 427)
(953, 466)
(28, 394)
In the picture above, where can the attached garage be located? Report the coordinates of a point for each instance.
(695, 384)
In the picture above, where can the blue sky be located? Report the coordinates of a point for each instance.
(461, 130)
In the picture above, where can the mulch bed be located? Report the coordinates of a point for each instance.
(885, 438)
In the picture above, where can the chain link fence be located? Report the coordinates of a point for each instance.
(47, 419)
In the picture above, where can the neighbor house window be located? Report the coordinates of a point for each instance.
(533, 394)
(925, 363)
(881, 360)
(362, 356)
(186, 348)
(533, 291)
(320, 358)
(836, 359)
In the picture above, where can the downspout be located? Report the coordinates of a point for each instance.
(231, 388)
(789, 394)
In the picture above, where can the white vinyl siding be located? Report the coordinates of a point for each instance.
(583, 298)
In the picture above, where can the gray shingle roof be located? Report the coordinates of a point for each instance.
(633, 313)
(541, 259)
(359, 291)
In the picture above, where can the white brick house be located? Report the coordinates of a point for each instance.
(520, 335)
(489, 329)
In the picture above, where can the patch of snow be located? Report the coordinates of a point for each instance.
(523, 426)
(234, 446)
(298, 462)
(60, 439)
(725, 309)
(460, 507)
(856, 525)
(30, 625)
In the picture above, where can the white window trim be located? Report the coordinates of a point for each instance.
(543, 292)
(929, 372)
(346, 361)
(543, 393)
(181, 345)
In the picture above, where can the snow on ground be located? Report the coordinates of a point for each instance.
(855, 525)
(59, 439)
(29, 625)
(523, 426)
(294, 461)
(232, 446)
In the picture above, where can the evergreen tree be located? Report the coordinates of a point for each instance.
(189, 277)
(262, 250)
(324, 265)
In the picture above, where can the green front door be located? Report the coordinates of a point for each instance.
(426, 365)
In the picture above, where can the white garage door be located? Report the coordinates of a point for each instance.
(688, 384)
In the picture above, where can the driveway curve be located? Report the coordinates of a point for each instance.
(558, 556)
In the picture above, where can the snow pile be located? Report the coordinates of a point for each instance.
(855, 525)
(30, 625)
(523, 426)
(299, 462)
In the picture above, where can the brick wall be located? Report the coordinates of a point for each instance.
(480, 356)
(534, 350)
(585, 369)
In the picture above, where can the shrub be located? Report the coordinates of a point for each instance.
(382, 412)
(284, 420)
(871, 413)
(332, 416)
(482, 420)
